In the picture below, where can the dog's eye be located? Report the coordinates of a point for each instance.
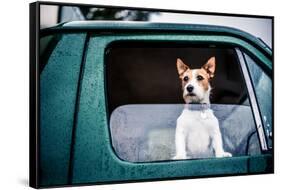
(199, 77)
(185, 78)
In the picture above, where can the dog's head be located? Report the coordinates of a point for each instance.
(196, 82)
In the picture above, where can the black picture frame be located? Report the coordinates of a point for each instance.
(34, 82)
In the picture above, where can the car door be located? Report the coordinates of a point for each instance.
(94, 158)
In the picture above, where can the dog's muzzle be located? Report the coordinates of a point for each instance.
(189, 88)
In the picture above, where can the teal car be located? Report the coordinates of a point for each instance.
(109, 96)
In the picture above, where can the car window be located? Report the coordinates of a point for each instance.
(263, 87)
(145, 99)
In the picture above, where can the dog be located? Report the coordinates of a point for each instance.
(197, 132)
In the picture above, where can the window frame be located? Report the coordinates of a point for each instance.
(247, 80)
(267, 138)
(253, 101)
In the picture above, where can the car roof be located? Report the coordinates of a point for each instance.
(153, 26)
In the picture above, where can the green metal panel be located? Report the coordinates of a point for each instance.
(58, 88)
(163, 27)
(94, 157)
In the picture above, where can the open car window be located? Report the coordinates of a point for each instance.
(145, 99)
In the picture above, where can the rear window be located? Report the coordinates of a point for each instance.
(145, 98)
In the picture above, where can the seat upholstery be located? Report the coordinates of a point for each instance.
(146, 132)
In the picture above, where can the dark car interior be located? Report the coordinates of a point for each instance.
(139, 73)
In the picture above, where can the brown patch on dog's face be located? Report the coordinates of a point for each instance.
(202, 75)
(184, 72)
(181, 67)
(195, 82)
(203, 78)
(210, 67)
(186, 77)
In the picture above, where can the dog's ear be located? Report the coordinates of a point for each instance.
(210, 67)
(181, 66)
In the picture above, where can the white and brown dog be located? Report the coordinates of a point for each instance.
(197, 134)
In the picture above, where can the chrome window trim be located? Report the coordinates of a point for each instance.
(253, 100)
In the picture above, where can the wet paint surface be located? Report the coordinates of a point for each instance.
(58, 88)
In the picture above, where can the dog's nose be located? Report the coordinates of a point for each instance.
(189, 88)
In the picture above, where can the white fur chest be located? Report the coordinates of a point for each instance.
(198, 126)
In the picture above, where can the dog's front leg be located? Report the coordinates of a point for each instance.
(180, 142)
(218, 146)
